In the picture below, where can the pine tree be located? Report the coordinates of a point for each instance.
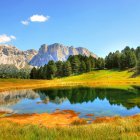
(83, 67)
(137, 52)
(51, 70)
(67, 70)
(40, 73)
(132, 59)
(100, 63)
(45, 71)
(92, 62)
(109, 61)
(138, 66)
(123, 61)
(59, 66)
(75, 64)
(33, 74)
(88, 65)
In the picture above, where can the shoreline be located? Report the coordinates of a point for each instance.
(62, 118)
(16, 84)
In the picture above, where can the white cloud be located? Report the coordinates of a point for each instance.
(35, 18)
(25, 22)
(13, 37)
(4, 38)
(39, 18)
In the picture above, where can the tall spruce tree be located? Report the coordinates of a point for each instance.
(88, 65)
(51, 70)
(100, 63)
(83, 67)
(138, 66)
(92, 62)
(75, 64)
(59, 66)
(123, 61)
(132, 59)
(137, 52)
(33, 74)
(67, 70)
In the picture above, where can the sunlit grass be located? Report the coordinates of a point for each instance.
(97, 78)
(118, 128)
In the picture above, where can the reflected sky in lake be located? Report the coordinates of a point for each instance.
(97, 101)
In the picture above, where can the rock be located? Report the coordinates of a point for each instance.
(57, 52)
(11, 55)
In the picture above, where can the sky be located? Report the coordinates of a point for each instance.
(98, 25)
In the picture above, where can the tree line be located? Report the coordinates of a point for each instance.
(127, 58)
(74, 65)
(11, 71)
(78, 64)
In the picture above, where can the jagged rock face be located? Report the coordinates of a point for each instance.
(57, 52)
(11, 55)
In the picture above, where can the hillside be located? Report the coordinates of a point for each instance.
(101, 78)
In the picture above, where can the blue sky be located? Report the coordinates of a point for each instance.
(99, 25)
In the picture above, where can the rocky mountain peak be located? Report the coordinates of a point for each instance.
(57, 52)
(11, 55)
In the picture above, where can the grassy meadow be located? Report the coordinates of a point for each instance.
(97, 78)
(104, 129)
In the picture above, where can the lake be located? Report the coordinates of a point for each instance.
(98, 101)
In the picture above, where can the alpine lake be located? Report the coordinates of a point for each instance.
(99, 102)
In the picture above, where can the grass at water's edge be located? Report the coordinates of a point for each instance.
(118, 128)
(100, 78)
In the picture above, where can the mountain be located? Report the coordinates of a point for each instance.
(11, 55)
(57, 52)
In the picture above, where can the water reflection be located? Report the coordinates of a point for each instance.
(99, 101)
(14, 96)
(127, 98)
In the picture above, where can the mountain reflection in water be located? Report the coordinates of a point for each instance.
(80, 99)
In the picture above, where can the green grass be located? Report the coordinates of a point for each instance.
(96, 78)
(104, 74)
(128, 128)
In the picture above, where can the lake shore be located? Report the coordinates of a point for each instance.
(61, 118)
(103, 128)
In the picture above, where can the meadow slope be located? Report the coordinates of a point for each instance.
(98, 78)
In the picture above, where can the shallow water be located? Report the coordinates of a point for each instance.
(97, 101)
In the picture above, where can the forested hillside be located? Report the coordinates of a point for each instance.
(78, 64)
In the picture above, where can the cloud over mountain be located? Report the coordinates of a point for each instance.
(5, 38)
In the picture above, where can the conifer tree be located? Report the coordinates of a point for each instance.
(51, 70)
(33, 74)
(67, 70)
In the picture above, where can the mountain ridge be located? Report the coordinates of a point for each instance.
(9, 54)
(57, 52)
